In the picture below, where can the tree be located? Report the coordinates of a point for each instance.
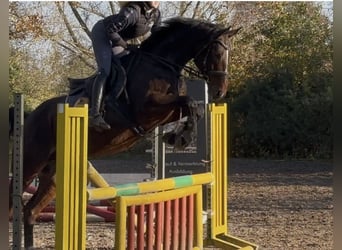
(40, 58)
(281, 93)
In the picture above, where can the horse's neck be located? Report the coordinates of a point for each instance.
(142, 67)
(174, 54)
(177, 56)
(167, 63)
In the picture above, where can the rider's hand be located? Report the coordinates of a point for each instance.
(117, 40)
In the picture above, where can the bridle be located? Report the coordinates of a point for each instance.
(205, 73)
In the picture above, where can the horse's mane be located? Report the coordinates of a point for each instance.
(176, 26)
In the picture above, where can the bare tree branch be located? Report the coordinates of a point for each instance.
(184, 7)
(66, 22)
(196, 10)
(92, 10)
(112, 7)
(79, 19)
(79, 55)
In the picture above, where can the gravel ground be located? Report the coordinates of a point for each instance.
(275, 204)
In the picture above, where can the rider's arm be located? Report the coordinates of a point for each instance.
(115, 23)
(157, 21)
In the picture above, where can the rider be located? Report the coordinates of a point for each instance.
(109, 36)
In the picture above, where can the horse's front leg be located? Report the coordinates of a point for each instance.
(183, 105)
(190, 107)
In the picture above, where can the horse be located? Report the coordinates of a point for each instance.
(153, 71)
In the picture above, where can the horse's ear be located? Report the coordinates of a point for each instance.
(229, 32)
(234, 32)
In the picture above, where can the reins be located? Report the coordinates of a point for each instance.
(173, 66)
(190, 70)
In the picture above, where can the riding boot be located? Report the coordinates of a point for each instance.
(95, 118)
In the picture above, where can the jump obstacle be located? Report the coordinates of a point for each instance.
(160, 214)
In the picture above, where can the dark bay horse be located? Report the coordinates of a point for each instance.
(153, 73)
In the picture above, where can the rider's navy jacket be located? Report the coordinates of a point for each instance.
(133, 20)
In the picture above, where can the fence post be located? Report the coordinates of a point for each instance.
(219, 167)
(17, 162)
(71, 177)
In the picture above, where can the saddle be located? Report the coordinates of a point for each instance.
(117, 76)
(115, 101)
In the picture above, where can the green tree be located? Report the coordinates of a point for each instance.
(282, 83)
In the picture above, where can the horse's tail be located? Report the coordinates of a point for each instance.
(11, 119)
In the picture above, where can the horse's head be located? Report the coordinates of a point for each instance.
(179, 40)
(212, 61)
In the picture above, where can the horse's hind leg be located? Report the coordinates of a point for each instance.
(33, 165)
(45, 193)
(26, 183)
